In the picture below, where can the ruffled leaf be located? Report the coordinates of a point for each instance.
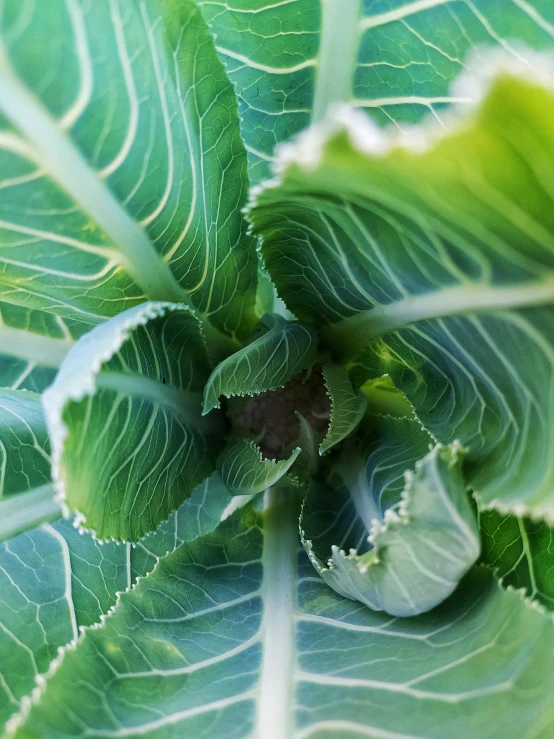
(124, 417)
(246, 642)
(244, 470)
(400, 552)
(277, 351)
(434, 252)
(347, 406)
(291, 61)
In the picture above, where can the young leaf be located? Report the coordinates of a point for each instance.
(26, 490)
(277, 351)
(521, 552)
(124, 417)
(123, 169)
(384, 399)
(244, 471)
(347, 406)
(55, 580)
(52, 580)
(246, 642)
(436, 254)
(290, 61)
(404, 558)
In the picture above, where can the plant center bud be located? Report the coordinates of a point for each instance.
(273, 413)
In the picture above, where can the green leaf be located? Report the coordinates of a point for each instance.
(521, 552)
(404, 557)
(347, 406)
(55, 580)
(309, 442)
(435, 252)
(124, 417)
(24, 447)
(198, 515)
(385, 400)
(52, 580)
(123, 169)
(277, 351)
(247, 642)
(244, 471)
(290, 61)
(26, 490)
(265, 293)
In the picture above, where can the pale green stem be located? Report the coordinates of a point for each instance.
(27, 511)
(340, 33)
(274, 715)
(349, 336)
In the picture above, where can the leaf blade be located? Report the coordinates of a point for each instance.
(136, 202)
(290, 62)
(56, 580)
(245, 472)
(267, 362)
(460, 301)
(347, 406)
(129, 393)
(447, 654)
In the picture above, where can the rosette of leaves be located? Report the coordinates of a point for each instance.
(276, 454)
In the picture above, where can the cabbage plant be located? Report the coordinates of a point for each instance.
(277, 369)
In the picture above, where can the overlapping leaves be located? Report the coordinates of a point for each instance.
(124, 417)
(458, 308)
(277, 350)
(232, 633)
(393, 526)
(54, 580)
(290, 61)
(125, 175)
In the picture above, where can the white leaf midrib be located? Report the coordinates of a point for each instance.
(338, 49)
(28, 510)
(348, 335)
(60, 157)
(274, 707)
(183, 404)
(36, 348)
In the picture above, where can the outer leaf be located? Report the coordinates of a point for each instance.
(43, 600)
(198, 515)
(347, 406)
(124, 417)
(245, 472)
(277, 351)
(408, 557)
(247, 643)
(289, 61)
(26, 492)
(521, 552)
(55, 580)
(442, 256)
(121, 162)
